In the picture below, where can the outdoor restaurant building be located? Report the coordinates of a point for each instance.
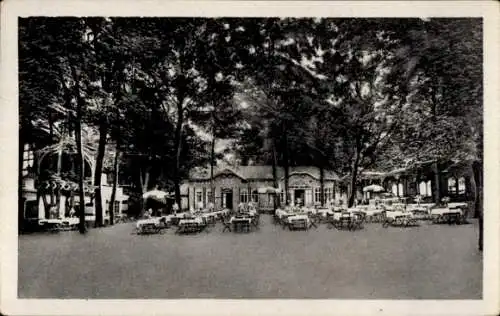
(430, 180)
(234, 185)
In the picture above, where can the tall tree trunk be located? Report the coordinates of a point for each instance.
(46, 205)
(115, 185)
(212, 163)
(178, 148)
(81, 193)
(478, 205)
(354, 177)
(322, 184)
(59, 158)
(59, 171)
(101, 149)
(437, 183)
(81, 162)
(277, 199)
(20, 209)
(286, 165)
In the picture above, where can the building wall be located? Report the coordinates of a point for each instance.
(199, 190)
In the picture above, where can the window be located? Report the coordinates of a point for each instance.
(461, 185)
(328, 194)
(308, 198)
(425, 188)
(28, 159)
(400, 188)
(317, 195)
(452, 186)
(209, 196)
(117, 207)
(395, 189)
(243, 195)
(255, 196)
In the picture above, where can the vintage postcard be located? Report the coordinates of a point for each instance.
(249, 157)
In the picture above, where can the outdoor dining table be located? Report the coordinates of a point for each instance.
(221, 213)
(457, 205)
(153, 224)
(281, 213)
(209, 217)
(241, 223)
(70, 222)
(399, 218)
(398, 214)
(189, 225)
(440, 215)
(53, 224)
(295, 221)
(418, 210)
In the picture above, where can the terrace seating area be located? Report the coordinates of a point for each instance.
(246, 218)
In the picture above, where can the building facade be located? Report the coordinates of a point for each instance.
(430, 180)
(45, 198)
(242, 184)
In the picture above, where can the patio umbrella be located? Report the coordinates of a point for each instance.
(373, 188)
(268, 190)
(156, 195)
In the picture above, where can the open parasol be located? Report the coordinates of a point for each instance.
(373, 188)
(156, 195)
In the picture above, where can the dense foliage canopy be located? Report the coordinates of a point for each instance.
(342, 94)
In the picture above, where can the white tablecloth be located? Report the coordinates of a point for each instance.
(196, 220)
(50, 221)
(443, 211)
(372, 212)
(244, 219)
(71, 221)
(457, 205)
(153, 220)
(207, 215)
(281, 213)
(324, 211)
(395, 214)
(300, 217)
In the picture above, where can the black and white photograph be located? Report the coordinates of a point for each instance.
(268, 157)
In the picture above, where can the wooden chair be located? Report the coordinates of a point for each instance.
(357, 221)
(227, 224)
(344, 221)
(330, 221)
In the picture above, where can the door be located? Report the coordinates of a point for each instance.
(227, 198)
(299, 196)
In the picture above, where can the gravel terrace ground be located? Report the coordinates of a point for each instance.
(426, 262)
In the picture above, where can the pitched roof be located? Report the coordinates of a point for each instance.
(314, 172)
(260, 172)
